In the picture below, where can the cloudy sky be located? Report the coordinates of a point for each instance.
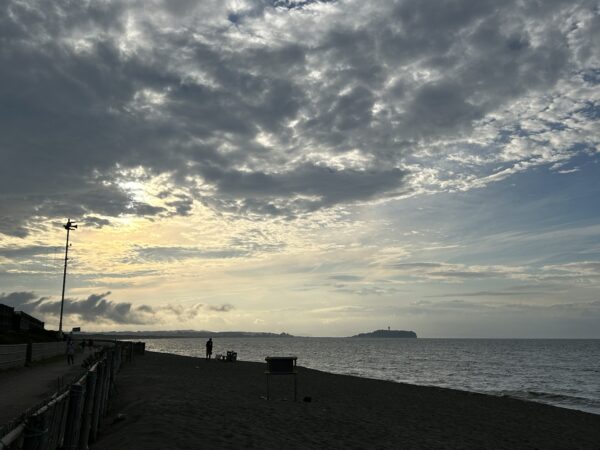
(317, 167)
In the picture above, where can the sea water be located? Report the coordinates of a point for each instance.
(559, 372)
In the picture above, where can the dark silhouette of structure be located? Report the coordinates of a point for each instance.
(11, 320)
(68, 226)
(387, 334)
(281, 365)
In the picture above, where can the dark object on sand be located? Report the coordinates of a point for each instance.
(231, 356)
(282, 365)
(119, 418)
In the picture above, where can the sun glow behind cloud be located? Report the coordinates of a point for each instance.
(321, 167)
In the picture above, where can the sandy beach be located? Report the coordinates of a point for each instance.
(168, 401)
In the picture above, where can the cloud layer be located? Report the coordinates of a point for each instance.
(97, 309)
(282, 108)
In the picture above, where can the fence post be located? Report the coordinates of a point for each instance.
(76, 398)
(56, 429)
(34, 432)
(88, 410)
(106, 385)
(97, 398)
(64, 412)
(48, 425)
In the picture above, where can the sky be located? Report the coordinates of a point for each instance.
(319, 168)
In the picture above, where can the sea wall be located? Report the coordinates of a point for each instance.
(13, 356)
(45, 350)
(71, 417)
(20, 355)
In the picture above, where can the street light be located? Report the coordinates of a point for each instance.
(68, 226)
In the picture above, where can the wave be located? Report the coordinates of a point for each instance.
(552, 398)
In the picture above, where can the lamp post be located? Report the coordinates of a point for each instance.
(68, 226)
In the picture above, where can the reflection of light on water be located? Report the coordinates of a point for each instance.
(557, 372)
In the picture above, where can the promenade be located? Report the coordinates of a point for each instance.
(24, 387)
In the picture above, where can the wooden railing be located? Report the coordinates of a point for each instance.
(71, 417)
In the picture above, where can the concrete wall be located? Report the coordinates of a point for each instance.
(44, 350)
(13, 355)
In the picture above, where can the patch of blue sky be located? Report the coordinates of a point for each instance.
(591, 110)
(592, 76)
(535, 217)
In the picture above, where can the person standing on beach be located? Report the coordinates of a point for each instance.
(70, 352)
(209, 348)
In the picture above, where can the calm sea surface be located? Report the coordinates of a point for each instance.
(560, 372)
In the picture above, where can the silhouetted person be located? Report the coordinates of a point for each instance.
(209, 348)
(70, 352)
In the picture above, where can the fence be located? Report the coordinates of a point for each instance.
(13, 355)
(71, 418)
(45, 350)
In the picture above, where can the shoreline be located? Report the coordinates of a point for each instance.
(171, 401)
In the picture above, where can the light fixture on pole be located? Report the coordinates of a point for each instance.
(68, 226)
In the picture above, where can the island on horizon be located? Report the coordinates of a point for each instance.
(387, 334)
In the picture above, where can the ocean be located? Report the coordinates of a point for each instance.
(560, 372)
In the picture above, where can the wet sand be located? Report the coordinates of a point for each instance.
(180, 402)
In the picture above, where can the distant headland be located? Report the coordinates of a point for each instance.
(387, 334)
(178, 334)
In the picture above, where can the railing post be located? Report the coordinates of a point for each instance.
(64, 413)
(97, 399)
(106, 385)
(88, 409)
(76, 399)
(56, 428)
(34, 433)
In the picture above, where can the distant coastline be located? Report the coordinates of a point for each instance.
(180, 334)
(387, 334)
(175, 334)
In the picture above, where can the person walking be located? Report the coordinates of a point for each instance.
(70, 352)
(209, 345)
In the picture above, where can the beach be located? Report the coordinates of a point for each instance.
(169, 401)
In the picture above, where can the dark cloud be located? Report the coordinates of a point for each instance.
(416, 265)
(466, 274)
(491, 294)
(220, 308)
(252, 242)
(95, 222)
(178, 253)
(183, 207)
(346, 277)
(28, 251)
(17, 300)
(98, 309)
(92, 92)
